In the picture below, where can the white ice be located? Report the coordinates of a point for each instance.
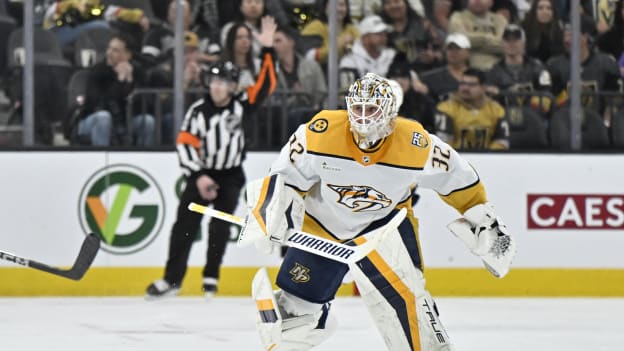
(189, 324)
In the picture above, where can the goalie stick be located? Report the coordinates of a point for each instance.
(344, 253)
(88, 251)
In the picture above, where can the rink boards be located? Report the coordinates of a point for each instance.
(567, 212)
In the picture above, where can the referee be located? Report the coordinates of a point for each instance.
(210, 148)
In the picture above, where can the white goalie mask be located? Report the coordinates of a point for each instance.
(371, 109)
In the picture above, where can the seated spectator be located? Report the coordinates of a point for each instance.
(411, 35)
(443, 81)
(416, 105)
(470, 120)
(484, 29)
(544, 33)
(370, 53)
(348, 31)
(301, 78)
(68, 18)
(599, 71)
(159, 42)
(103, 117)
(517, 74)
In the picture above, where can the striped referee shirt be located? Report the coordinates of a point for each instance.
(211, 137)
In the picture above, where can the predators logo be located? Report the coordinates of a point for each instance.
(361, 198)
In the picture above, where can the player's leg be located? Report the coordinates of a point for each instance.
(392, 285)
(230, 185)
(180, 242)
(302, 320)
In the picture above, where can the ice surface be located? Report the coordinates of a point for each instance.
(188, 324)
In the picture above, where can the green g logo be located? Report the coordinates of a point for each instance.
(124, 206)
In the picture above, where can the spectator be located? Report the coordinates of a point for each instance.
(68, 18)
(470, 120)
(370, 53)
(484, 29)
(211, 149)
(238, 49)
(250, 13)
(612, 41)
(442, 81)
(416, 105)
(599, 72)
(544, 33)
(103, 117)
(159, 42)
(411, 35)
(301, 78)
(320, 27)
(162, 76)
(517, 73)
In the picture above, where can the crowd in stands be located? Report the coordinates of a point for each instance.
(481, 74)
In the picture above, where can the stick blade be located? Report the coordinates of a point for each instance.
(88, 251)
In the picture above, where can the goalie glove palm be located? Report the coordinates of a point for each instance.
(487, 237)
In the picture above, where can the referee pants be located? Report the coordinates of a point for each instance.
(187, 224)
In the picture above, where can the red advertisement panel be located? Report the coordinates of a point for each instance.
(575, 211)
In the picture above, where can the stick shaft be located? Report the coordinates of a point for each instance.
(347, 254)
(88, 251)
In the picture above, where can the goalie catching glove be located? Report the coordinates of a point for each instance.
(274, 210)
(487, 237)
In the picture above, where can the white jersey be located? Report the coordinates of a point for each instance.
(347, 188)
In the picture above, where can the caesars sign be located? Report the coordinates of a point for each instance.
(124, 206)
(575, 211)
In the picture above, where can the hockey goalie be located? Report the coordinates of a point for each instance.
(343, 176)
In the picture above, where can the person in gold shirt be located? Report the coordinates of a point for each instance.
(469, 119)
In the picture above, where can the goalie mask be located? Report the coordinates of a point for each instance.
(371, 109)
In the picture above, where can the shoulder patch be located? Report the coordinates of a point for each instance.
(419, 140)
(319, 125)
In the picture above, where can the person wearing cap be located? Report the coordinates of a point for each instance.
(370, 53)
(443, 81)
(599, 71)
(469, 119)
(517, 73)
(484, 29)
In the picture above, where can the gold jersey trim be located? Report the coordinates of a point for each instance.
(407, 147)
